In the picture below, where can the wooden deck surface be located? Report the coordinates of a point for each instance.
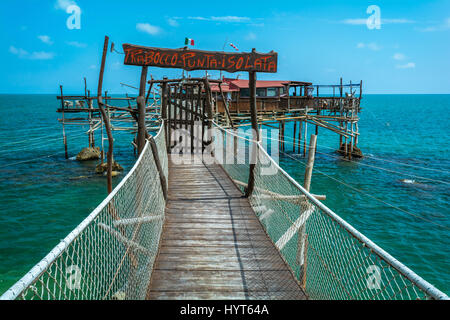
(213, 246)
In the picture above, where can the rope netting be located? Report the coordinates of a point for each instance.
(329, 258)
(110, 255)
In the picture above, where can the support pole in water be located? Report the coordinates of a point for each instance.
(105, 116)
(64, 131)
(302, 242)
(310, 163)
(294, 136)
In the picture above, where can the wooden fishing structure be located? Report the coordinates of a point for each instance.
(191, 106)
(275, 103)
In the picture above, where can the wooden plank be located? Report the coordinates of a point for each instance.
(224, 295)
(213, 245)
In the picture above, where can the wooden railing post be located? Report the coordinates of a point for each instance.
(141, 108)
(162, 177)
(310, 163)
(302, 243)
(254, 121)
(164, 106)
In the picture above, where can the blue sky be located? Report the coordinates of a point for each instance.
(316, 41)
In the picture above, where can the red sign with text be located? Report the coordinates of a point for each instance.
(200, 60)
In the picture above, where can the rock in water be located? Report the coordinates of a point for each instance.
(103, 167)
(357, 153)
(114, 173)
(89, 154)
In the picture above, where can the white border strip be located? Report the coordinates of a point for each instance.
(29, 278)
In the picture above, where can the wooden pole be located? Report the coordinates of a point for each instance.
(162, 177)
(164, 96)
(360, 90)
(142, 132)
(310, 163)
(294, 136)
(149, 90)
(299, 142)
(105, 117)
(306, 136)
(90, 143)
(225, 105)
(169, 118)
(340, 111)
(208, 108)
(279, 135)
(64, 131)
(254, 121)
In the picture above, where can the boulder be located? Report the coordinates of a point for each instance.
(89, 154)
(115, 173)
(103, 167)
(357, 153)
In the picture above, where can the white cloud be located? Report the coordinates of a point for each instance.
(372, 46)
(399, 56)
(397, 21)
(250, 36)
(18, 52)
(363, 21)
(173, 22)
(355, 21)
(63, 4)
(77, 44)
(36, 55)
(41, 55)
(116, 65)
(222, 19)
(441, 27)
(148, 28)
(231, 19)
(409, 65)
(45, 39)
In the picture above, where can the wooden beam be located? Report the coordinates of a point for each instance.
(162, 177)
(142, 132)
(105, 117)
(310, 163)
(254, 121)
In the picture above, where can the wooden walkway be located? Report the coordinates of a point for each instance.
(213, 246)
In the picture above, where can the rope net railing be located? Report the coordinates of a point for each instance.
(328, 257)
(110, 255)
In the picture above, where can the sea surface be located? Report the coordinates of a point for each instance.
(398, 195)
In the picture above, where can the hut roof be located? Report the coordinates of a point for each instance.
(237, 84)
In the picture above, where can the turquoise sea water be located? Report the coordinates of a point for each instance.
(42, 200)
